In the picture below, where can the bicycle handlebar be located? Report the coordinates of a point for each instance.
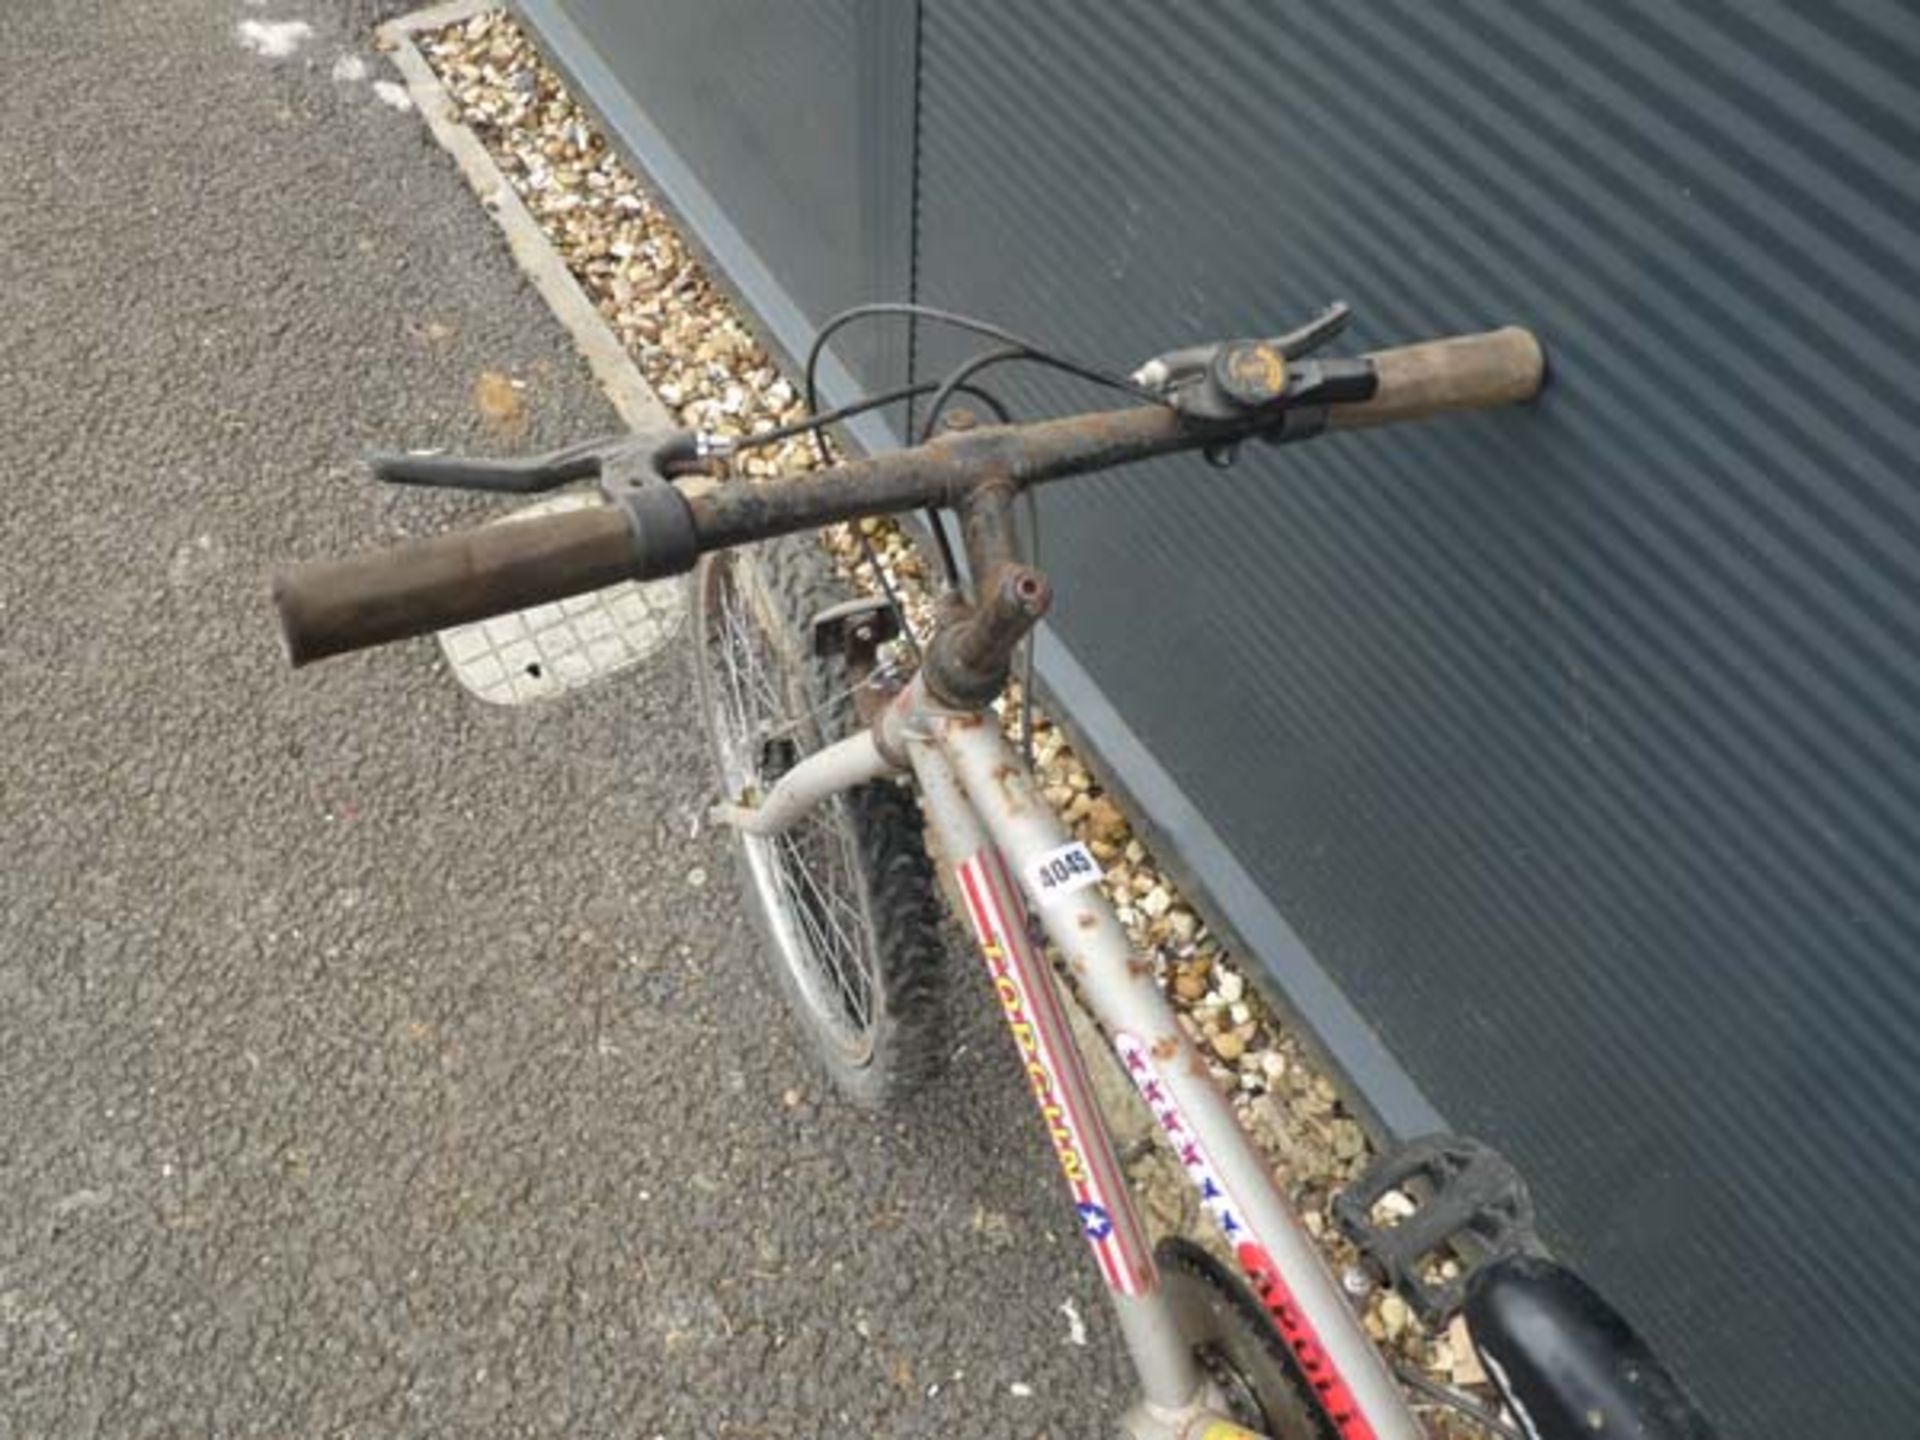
(1465, 372)
(335, 606)
(331, 607)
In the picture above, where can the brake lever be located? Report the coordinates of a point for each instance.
(665, 454)
(525, 476)
(1315, 333)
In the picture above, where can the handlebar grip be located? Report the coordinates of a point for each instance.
(332, 606)
(1463, 372)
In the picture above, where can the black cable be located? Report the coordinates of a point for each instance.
(816, 424)
(978, 327)
(872, 557)
(1033, 636)
(946, 389)
(956, 381)
(760, 438)
(1028, 350)
(1454, 1400)
(949, 564)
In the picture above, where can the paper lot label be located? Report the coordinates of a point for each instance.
(1060, 872)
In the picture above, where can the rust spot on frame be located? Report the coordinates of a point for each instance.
(1138, 968)
(1085, 919)
(1006, 780)
(1166, 1047)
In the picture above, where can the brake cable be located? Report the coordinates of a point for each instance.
(759, 439)
(1015, 348)
(1028, 350)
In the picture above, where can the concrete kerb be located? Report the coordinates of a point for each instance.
(606, 357)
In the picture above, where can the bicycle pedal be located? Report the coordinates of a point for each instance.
(1468, 1203)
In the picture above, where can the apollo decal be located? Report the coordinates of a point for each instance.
(1055, 1075)
(1330, 1388)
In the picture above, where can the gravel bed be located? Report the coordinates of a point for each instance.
(709, 368)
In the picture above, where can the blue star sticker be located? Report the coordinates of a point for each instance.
(1094, 1220)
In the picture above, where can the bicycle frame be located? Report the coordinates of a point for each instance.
(991, 825)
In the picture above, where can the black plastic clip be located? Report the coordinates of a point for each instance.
(855, 629)
(665, 541)
(1232, 381)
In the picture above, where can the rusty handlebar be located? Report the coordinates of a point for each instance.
(333, 606)
(1466, 372)
(330, 607)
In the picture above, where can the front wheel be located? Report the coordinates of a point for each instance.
(844, 899)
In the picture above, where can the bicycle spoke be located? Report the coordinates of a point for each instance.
(821, 948)
(814, 869)
(819, 910)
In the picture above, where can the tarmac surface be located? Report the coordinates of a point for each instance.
(374, 1062)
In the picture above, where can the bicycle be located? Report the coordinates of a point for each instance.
(815, 704)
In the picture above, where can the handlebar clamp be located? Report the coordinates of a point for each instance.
(665, 541)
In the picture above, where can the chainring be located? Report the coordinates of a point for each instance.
(1237, 1346)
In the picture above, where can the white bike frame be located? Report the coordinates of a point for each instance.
(992, 825)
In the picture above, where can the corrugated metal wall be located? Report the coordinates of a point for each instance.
(1577, 745)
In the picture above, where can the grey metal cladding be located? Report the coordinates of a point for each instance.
(1578, 744)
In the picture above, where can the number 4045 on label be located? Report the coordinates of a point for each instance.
(1061, 871)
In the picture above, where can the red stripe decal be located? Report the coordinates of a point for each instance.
(1072, 1070)
(1056, 1076)
(1329, 1386)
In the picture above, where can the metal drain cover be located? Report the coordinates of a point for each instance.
(544, 652)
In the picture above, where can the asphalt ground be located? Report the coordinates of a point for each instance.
(374, 1062)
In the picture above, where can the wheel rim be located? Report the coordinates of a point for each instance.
(807, 879)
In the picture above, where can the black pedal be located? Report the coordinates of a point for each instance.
(1471, 1206)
